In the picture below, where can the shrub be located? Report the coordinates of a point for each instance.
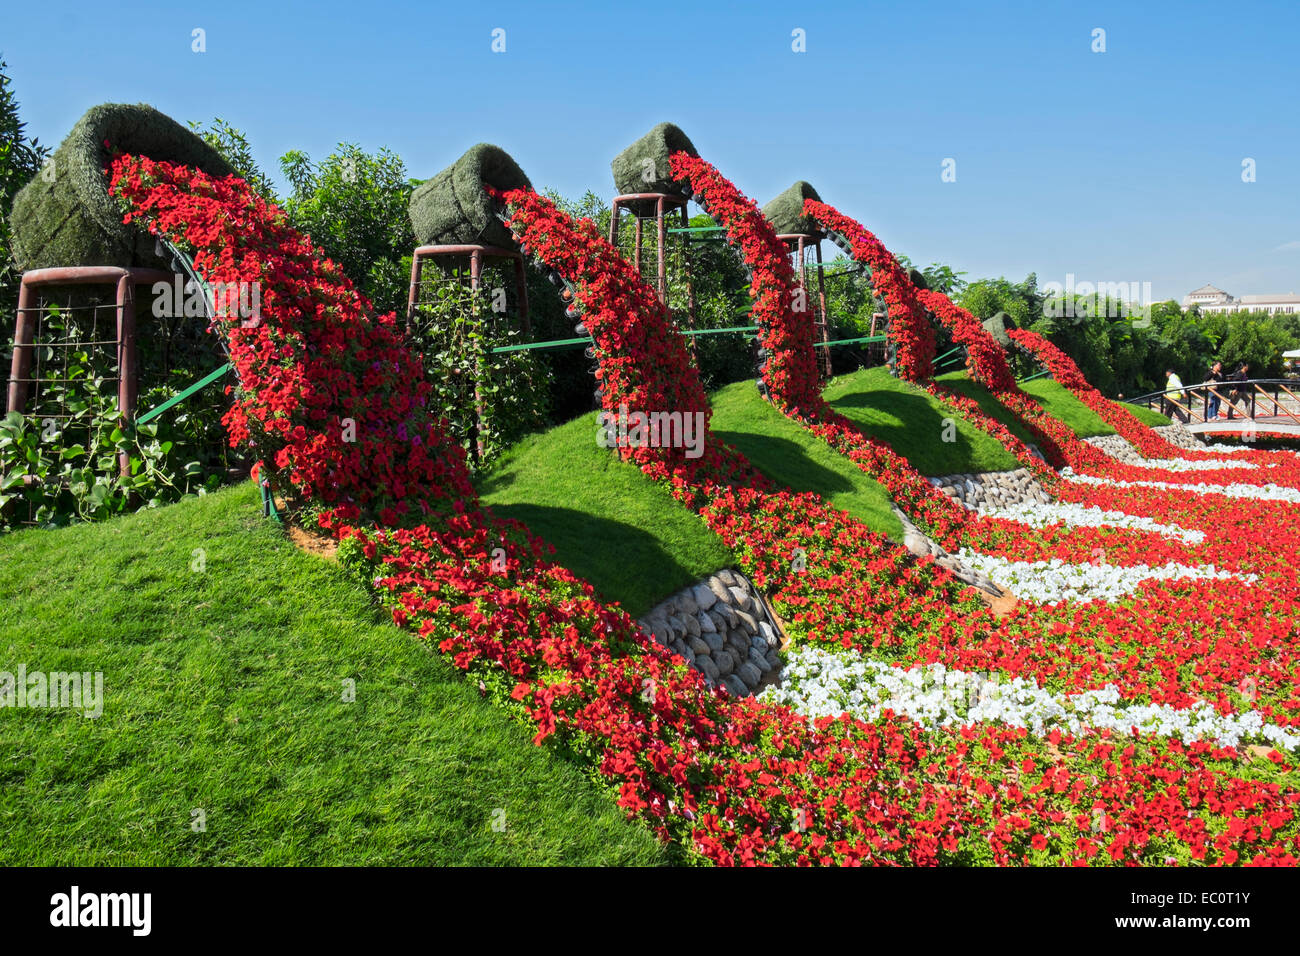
(455, 334)
(354, 207)
(54, 470)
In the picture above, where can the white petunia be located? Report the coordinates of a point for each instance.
(1038, 515)
(1269, 492)
(820, 682)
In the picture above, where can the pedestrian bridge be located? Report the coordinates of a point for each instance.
(1266, 406)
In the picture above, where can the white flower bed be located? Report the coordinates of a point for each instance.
(1051, 582)
(1268, 492)
(826, 683)
(1089, 516)
(1223, 448)
(1182, 464)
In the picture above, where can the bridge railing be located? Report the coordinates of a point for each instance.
(1255, 399)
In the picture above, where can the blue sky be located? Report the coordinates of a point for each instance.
(1122, 166)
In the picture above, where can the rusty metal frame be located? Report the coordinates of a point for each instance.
(658, 206)
(478, 256)
(124, 280)
(640, 205)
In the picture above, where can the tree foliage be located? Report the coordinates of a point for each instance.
(20, 160)
(354, 206)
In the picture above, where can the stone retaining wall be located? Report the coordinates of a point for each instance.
(724, 629)
(1117, 447)
(916, 541)
(992, 489)
(1177, 434)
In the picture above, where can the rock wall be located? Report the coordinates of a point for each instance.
(1177, 434)
(724, 629)
(916, 541)
(1117, 447)
(992, 489)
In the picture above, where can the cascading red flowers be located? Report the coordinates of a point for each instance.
(790, 370)
(909, 329)
(330, 400)
(738, 781)
(642, 362)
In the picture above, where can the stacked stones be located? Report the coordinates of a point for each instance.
(1117, 447)
(919, 544)
(992, 489)
(723, 628)
(1178, 434)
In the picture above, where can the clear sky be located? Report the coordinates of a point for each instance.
(1122, 166)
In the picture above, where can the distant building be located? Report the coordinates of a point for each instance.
(1212, 299)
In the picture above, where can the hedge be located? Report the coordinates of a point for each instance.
(452, 208)
(786, 214)
(70, 220)
(630, 166)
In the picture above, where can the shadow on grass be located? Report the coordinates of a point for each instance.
(612, 555)
(912, 426)
(787, 463)
(990, 405)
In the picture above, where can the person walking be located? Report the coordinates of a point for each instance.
(1242, 395)
(1214, 380)
(1174, 392)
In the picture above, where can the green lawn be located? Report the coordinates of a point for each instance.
(796, 459)
(961, 383)
(909, 420)
(609, 523)
(1061, 403)
(1145, 415)
(223, 691)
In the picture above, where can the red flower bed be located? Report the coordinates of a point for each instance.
(733, 781)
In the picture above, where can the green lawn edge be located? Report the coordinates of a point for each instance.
(911, 421)
(608, 522)
(795, 458)
(224, 651)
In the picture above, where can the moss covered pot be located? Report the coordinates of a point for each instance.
(786, 214)
(68, 218)
(998, 325)
(452, 208)
(643, 166)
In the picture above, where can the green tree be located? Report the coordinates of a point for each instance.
(234, 147)
(354, 206)
(1020, 300)
(20, 159)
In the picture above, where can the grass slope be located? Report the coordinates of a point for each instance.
(796, 459)
(609, 523)
(909, 420)
(223, 691)
(1146, 416)
(1060, 402)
